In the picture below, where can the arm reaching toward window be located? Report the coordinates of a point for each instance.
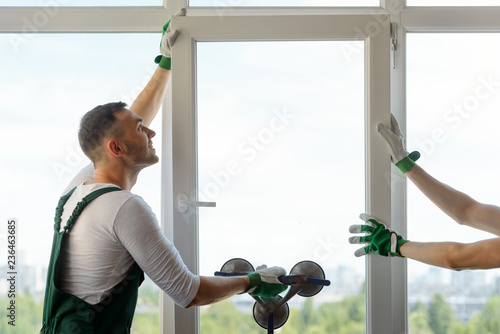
(148, 102)
(457, 205)
(261, 283)
(483, 254)
(215, 289)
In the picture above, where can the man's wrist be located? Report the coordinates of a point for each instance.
(405, 164)
(253, 280)
(401, 246)
(165, 63)
(401, 242)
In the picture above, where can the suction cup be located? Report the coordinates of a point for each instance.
(309, 269)
(261, 314)
(237, 266)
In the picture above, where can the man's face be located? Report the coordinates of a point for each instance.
(137, 140)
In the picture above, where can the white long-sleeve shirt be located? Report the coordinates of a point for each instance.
(112, 233)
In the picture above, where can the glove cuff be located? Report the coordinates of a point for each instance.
(405, 164)
(254, 282)
(255, 279)
(164, 62)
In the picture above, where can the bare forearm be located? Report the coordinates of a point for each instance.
(433, 253)
(452, 202)
(459, 206)
(453, 255)
(214, 289)
(147, 104)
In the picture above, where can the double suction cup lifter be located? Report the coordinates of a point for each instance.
(306, 279)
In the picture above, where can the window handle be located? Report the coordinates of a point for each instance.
(183, 204)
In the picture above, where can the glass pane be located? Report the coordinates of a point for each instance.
(281, 151)
(48, 82)
(453, 100)
(452, 3)
(284, 3)
(50, 5)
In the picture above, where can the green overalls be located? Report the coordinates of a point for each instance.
(65, 313)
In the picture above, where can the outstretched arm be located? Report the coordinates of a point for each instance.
(147, 104)
(379, 238)
(459, 206)
(263, 283)
(483, 254)
(215, 289)
(149, 100)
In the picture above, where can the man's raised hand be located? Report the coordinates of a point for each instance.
(168, 38)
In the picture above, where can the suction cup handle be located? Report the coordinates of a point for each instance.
(301, 279)
(286, 279)
(318, 281)
(222, 273)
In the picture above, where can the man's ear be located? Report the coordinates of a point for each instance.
(114, 148)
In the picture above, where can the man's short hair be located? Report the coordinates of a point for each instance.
(96, 125)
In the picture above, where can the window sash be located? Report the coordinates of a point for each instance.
(284, 28)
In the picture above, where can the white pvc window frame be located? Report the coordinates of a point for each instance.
(29, 21)
(385, 186)
(377, 97)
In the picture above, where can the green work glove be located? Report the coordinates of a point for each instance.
(395, 143)
(379, 238)
(167, 40)
(264, 282)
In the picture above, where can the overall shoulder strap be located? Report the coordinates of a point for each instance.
(83, 203)
(59, 209)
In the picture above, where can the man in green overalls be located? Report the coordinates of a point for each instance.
(109, 237)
